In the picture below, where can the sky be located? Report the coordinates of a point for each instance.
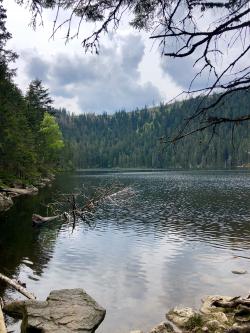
(129, 72)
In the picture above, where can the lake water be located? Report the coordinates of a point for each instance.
(177, 239)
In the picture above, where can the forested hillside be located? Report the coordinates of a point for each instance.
(131, 139)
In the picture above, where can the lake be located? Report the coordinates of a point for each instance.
(175, 240)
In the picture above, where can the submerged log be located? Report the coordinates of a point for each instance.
(38, 219)
(17, 286)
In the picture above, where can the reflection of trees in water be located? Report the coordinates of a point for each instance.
(19, 241)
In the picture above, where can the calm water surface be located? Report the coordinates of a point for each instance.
(176, 240)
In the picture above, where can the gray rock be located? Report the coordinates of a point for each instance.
(5, 202)
(180, 316)
(64, 311)
(239, 271)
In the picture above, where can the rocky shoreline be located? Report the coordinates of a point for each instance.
(73, 310)
(218, 314)
(7, 194)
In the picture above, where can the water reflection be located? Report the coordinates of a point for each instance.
(175, 241)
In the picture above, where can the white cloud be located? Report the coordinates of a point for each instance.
(107, 82)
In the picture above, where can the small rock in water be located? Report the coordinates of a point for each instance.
(239, 272)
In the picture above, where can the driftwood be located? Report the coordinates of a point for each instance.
(2, 322)
(13, 283)
(233, 303)
(38, 219)
(21, 191)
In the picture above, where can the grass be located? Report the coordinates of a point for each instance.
(195, 321)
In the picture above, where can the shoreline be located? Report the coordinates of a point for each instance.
(217, 314)
(16, 189)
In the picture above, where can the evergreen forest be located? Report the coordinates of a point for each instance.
(133, 139)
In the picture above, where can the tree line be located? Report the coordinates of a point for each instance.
(137, 139)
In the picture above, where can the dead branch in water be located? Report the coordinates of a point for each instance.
(13, 283)
(79, 206)
(38, 219)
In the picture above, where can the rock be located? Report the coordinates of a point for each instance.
(5, 202)
(239, 272)
(64, 311)
(221, 317)
(180, 316)
(214, 326)
(136, 331)
(163, 328)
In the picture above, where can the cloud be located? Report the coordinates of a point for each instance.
(183, 71)
(107, 82)
(36, 67)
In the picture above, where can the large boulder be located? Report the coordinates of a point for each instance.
(64, 311)
(5, 202)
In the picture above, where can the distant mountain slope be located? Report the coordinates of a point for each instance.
(131, 139)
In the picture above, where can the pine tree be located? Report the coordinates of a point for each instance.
(39, 102)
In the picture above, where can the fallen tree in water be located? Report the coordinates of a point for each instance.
(79, 206)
